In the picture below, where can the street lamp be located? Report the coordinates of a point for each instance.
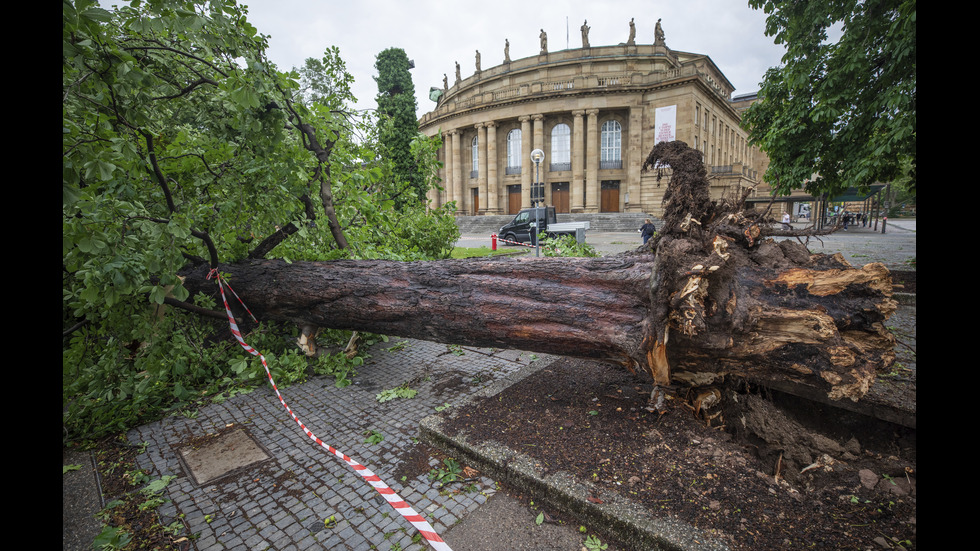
(537, 196)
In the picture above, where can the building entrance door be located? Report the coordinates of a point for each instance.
(476, 201)
(514, 199)
(559, 196)
(609, 200)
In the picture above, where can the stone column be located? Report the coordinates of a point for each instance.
(577, 187)
(458, 194)
(539, 173)
(481, 144)
(526, 169)
(449, 170)
(493, 193)
(592, 162)
(432, 196)
(634, 160)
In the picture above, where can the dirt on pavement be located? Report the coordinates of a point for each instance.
(788, 477)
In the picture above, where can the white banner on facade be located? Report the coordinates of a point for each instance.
(665, 124)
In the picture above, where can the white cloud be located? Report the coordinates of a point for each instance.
(437, 34)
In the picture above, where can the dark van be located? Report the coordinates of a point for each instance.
(519, 229)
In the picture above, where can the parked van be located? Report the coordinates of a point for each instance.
(544, 219)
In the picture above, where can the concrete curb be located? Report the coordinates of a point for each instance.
(615, 516)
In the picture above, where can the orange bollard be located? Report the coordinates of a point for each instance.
(493, 242)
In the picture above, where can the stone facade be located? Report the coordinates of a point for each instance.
(593, 111)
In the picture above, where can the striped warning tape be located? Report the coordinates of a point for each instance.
(501, 239)
(396, 502)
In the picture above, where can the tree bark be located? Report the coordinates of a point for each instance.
(592, 308)
(821, 326)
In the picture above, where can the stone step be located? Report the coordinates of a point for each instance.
(598, 222)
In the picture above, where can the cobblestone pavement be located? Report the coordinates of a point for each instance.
(283, 503)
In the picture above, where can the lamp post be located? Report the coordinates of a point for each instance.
(537, 196)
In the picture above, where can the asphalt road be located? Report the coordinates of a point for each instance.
(895, 248)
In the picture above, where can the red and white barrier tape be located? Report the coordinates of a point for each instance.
(396, 502)
(501, 239)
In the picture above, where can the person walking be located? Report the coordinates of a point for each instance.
(647, 230)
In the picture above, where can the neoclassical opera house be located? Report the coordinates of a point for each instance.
(595, 112)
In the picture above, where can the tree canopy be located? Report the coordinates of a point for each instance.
(839, 113)
(182, 144)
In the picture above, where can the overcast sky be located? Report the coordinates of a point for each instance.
(437, 34)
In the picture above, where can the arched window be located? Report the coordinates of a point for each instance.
(610, 153)
(561, 147)
(514, 151)
(475, 156)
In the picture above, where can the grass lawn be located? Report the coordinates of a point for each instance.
(471, 252)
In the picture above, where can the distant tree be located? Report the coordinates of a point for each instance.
(326, 80)
(838, 114)
(398, 125)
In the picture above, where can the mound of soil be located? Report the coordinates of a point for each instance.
(815, 491)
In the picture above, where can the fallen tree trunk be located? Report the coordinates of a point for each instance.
(821, 326)
(709, 296)
(592, 308)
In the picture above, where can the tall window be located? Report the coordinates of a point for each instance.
(610, 153)
(561, 147)
(475, 156)
(514, 151)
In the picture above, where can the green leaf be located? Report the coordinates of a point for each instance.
(158, 294)
(158, 485)
(180, 292)
(96, 14)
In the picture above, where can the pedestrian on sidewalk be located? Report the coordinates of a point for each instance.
(647, 230)
(786, 221)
